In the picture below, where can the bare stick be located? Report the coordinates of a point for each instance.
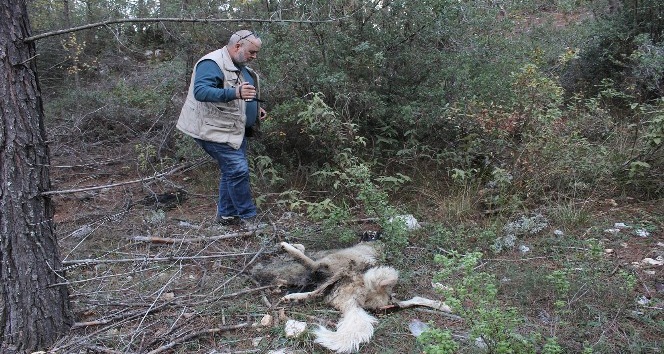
(241, 271)
(125, 317)
(189, 336)
(98, 349)
(144, 20)
(247, 291)
(170, 240)
(156, 176)
(150, 259)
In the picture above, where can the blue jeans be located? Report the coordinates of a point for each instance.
(234, 189)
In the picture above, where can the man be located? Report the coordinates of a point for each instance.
(220, 111)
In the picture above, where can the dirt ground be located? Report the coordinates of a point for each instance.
(150, 271)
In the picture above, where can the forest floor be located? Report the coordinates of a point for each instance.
(150, 271)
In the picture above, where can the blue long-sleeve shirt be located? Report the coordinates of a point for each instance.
(209, 87)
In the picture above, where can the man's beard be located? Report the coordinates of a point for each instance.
(242, 59)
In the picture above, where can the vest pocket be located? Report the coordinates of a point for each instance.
(218, 124)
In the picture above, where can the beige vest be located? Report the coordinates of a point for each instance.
(216, 121)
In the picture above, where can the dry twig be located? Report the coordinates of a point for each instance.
(189, 336)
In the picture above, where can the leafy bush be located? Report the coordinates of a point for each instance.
(625, 48)
(472, 294)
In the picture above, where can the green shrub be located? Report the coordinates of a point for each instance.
(472, 294)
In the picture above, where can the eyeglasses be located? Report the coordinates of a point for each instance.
(247, 36)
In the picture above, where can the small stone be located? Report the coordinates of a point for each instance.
(440, 287)
(267, 320)
(256, 341)
(416, 327)
(294, 328)
(282, 315)
(642, 300)
(642, 233)
(653, 262)
(480, 343)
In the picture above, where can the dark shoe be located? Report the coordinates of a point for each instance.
(252, 223)
(228, 220)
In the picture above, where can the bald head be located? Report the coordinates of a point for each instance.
(244, 46)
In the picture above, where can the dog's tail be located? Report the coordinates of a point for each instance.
(355, 327)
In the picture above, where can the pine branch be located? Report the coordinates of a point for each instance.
(169, 19)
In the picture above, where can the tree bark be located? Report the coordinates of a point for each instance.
(34, 313)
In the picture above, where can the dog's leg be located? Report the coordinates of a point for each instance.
(299, 256)
(420, 301)
(316, 292)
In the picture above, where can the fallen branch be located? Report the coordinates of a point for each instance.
(241, 271)
(150, 259)
(170, 240)
(156, 176)
(247, 291)
(189, 336)
(147, 20)
(98, 349)
(121, 316)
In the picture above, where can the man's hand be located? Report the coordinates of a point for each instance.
(246, 91)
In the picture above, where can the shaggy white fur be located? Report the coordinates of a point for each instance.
(353, 286)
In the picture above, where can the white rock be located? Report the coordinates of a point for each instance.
(480, 343)
(524, 249)
(653, 262)
(294, 328)
(642, 233)
(416, 327)
(267, 320)
(612, 231)
(183, 223)
(440, 287)
(408, 219)
(256, 341)
(642, 300)
(620, 225)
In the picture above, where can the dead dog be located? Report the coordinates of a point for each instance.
(353, 284)
(348, 279)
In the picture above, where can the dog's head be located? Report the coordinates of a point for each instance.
(368, 236)
(378, 282)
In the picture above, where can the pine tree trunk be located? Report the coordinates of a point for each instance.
(35, 312)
